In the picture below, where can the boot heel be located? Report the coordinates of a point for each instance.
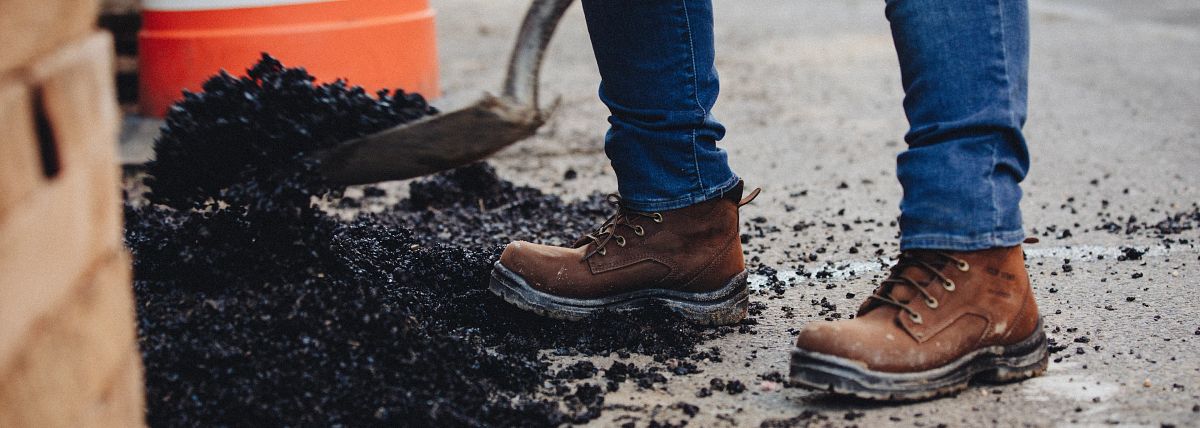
(728, 314)
(1023, 361)
(731, 309)
(1013, 374)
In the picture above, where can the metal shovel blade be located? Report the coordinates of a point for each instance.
(457, 138)
(438, 143)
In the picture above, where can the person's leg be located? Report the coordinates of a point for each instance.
(957, 305)
(963, 64)
(674, 239)
(659, 82)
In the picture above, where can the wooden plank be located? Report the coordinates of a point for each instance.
(30, 28)
(123, 403)
(20, 161)
(80, 99)
(77, 88)
(68, 361)
(44, 248)
(50, 239)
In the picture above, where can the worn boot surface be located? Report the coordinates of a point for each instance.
(940, 320)
(688, 259)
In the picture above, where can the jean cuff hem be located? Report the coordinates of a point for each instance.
(962, 243)
(687, 200)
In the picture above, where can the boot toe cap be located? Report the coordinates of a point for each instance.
(822, 336)
(874, 350)
(512, 258)
(544, 268)
(526, 258)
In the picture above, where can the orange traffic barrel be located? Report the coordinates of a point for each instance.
(375, 44)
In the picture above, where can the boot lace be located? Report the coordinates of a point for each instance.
(623, 218)
(898, 278)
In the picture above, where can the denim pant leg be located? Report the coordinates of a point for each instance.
(659, 83)
(963, 65)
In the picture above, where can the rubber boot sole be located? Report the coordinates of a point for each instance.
(724, 306)
(995, 364)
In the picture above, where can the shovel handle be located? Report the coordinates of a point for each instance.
(524, 68)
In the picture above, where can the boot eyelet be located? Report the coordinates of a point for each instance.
(602, 251)
(932, 303)
(963, 266)
(639, 231)
(915, 317)
(620, 240)
(658, 218)
(948, 285)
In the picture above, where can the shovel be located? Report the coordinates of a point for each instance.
(448, 140)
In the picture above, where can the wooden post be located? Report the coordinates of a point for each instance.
(68, 347)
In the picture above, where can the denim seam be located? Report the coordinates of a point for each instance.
(696, 162)
(687, 22)
(686, 200)
(995, 144)
(992, 187)
(1012, 113)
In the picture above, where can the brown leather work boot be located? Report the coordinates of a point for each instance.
(688, 259)
(938, 321)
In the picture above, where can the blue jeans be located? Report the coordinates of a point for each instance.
(963, 64)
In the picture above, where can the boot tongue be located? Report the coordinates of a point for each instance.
(615, 201)
(904, 292)
(592, 236)
(734, 193)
